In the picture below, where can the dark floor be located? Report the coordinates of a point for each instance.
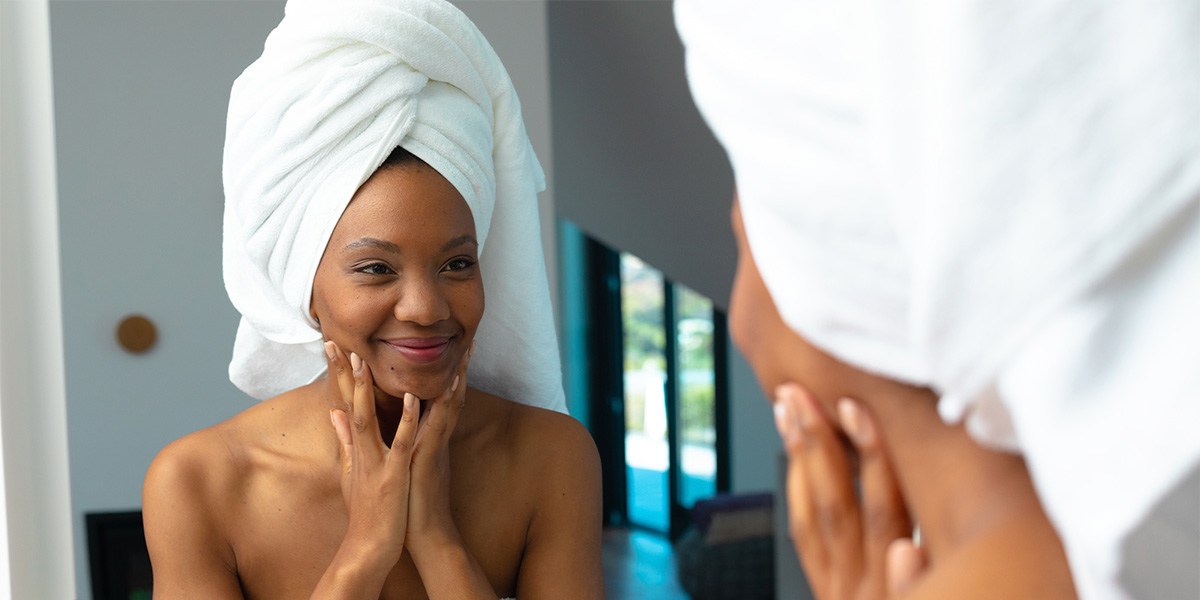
(639, 566)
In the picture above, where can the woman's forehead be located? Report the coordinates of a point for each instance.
(404, 202)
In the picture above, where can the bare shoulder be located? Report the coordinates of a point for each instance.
(560, 469)
(206, 465)
(185, 512)
(540, 444)
(189, 470)
(198, 460)
(552, 439)
(190, 504)
(554, 457)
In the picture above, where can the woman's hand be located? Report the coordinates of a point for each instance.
(430, 522)
(375, 479)
(853, 546)
(447, 569)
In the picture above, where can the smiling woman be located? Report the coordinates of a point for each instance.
(379, 183)
(399, 283)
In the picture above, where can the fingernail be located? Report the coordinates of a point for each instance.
(329, 350)
(782, 419)
(806, 416)
(332, 420)
(454, 385)
(786, 417)
(355, 363)
(410, 402)
(855, 423)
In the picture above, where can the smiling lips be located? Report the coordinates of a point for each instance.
(422, 350)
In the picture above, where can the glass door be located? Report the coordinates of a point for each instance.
(696, 396)
(670, 384)
(647, 451)
(647, 357)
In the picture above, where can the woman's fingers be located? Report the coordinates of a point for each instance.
(374, 489)
(406, 431)
(362, 417)
(341, 426)
(834, 501)
(905, 563)
(825, 521)
(444, 410)
(339, 370)
(429, 516)
(799, 506)
(884, 517)
(844, 538)
(343, 378)
(456, 395)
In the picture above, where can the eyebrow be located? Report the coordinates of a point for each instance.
(459, 241)
(370, 242)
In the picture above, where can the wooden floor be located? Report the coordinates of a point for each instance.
(639, 566)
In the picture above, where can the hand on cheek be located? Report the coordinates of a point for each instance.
(430, 522)
(841, 535)
(375, 477)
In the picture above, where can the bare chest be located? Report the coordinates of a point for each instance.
(288, 525)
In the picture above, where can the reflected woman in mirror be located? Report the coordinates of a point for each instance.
(411, 443)
(981, 222)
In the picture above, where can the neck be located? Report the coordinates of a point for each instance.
(388, 409)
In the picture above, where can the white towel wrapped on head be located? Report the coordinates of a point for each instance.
(339, 85)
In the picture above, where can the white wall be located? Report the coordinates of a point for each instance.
(35, 531)
(141, 94)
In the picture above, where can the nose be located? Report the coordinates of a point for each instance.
(421, 301)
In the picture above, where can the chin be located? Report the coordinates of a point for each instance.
(423, 386)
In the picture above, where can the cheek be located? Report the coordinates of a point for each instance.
(345, 314)
(756, 330)
(740, 325)
(468, 304)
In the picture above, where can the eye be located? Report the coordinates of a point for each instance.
(375, 268)
(461, 263)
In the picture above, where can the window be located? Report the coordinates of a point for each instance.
(655, 381)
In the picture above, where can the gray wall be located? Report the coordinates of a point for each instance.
(637, 168)
(140, 95)
(141, 90)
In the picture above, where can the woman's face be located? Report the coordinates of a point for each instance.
(776, 352)
(399, 282)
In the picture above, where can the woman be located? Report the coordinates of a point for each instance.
(984, 533)
(990, 213)
(379, 184)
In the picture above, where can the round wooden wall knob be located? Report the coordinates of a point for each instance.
(136, 334)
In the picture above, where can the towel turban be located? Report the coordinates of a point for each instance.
(340, 85)
(999, 201)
